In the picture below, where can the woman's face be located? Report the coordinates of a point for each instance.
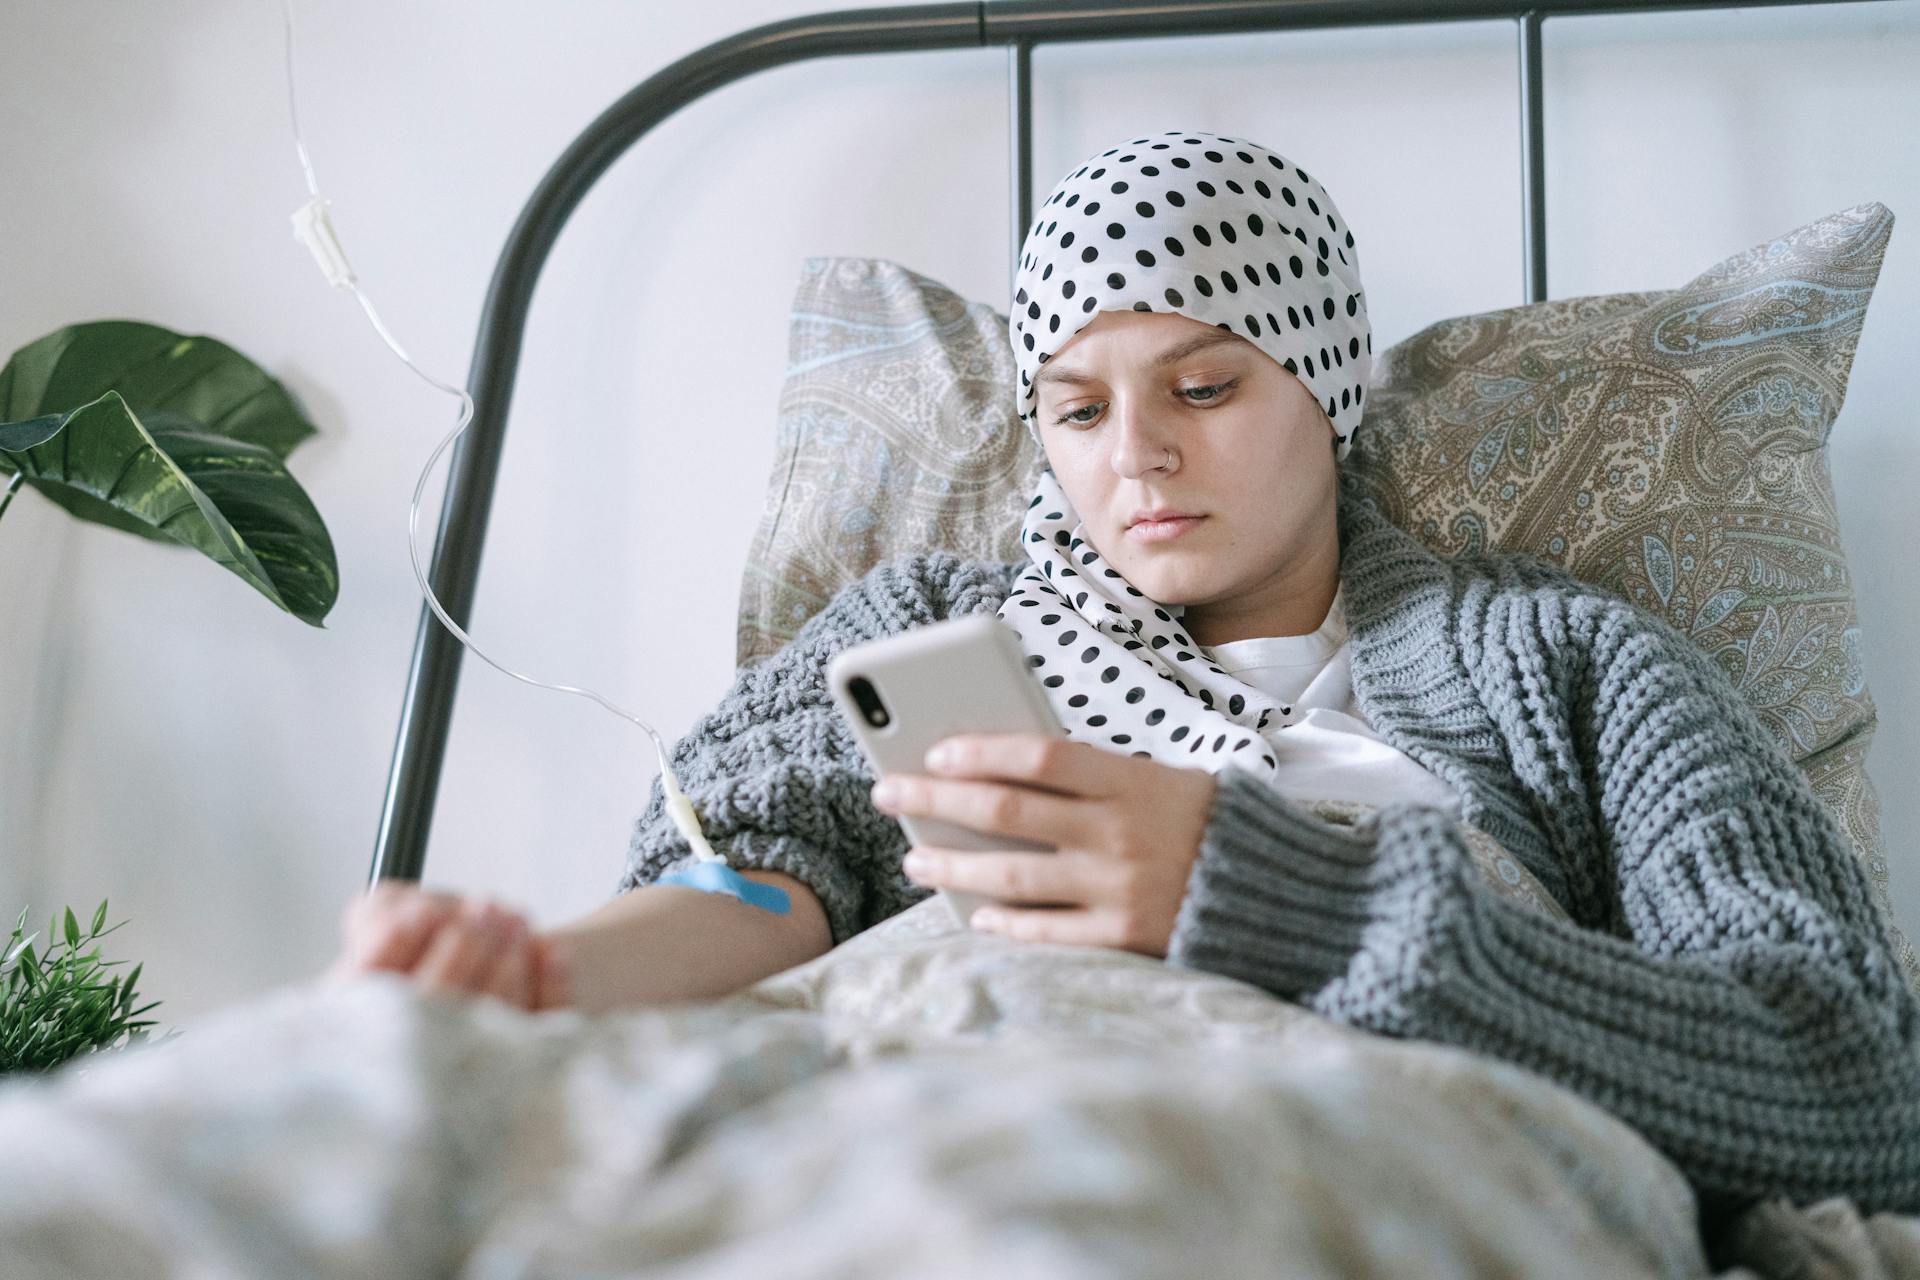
(1252, 472)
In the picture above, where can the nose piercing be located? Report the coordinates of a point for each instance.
(1168, 462)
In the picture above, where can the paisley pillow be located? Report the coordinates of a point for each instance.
(1666, 446)
(1669, 447)
(896, 435)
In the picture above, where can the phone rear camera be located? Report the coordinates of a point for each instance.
(868, 699)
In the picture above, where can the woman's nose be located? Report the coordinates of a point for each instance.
(1139, 445)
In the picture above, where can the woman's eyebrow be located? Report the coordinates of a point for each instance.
(1179, 351)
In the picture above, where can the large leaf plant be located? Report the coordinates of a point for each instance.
(174, 438)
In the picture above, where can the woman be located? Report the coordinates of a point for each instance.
(1202, 587)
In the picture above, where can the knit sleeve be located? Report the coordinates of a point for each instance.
(1727, 985)
(775, 774)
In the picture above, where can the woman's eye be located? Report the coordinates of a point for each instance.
(1192, 395)
(1217, 389)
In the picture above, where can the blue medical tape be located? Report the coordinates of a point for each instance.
(718, 877)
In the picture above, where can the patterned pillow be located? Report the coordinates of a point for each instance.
(896, 434)
(1666, 446)
(1669, 447)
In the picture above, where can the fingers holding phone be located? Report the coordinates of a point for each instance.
(901, 694)
(1125, 833)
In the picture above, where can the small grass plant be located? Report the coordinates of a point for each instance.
(60, 1004)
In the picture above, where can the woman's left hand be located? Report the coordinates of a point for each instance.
(1125, 830)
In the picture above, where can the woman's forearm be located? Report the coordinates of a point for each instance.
(1757, 1044)
(671, 943)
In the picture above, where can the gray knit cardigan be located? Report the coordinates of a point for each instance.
(1726, 986)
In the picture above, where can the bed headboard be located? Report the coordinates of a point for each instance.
(1017, 25)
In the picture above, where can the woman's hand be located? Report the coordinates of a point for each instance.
(1126, 832)
(452, 946)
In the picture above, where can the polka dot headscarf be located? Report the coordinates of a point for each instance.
(1225, 232)
(1232, 234)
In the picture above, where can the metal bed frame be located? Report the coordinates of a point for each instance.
(420, 744)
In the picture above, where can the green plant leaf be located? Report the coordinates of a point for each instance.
(184, 391)
(18, 436)
(61, 1007)
(232, 500)
(99, 917)
(157, 370)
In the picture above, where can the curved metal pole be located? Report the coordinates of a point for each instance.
(1533, 161)
(1080, 20)
(1019, 148)
(420, 743)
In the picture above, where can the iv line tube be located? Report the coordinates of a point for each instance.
(313, 227)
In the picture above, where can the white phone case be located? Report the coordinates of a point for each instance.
(964, 675)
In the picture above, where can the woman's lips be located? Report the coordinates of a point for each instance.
(1162, 530)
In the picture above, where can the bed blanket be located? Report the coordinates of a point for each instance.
(922, 1101)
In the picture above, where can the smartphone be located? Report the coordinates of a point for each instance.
(904, 693)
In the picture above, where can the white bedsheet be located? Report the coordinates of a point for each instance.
(922, 1101)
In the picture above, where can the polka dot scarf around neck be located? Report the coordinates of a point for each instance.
(1225, 232)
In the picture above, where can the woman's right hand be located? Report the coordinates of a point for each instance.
(452, 945)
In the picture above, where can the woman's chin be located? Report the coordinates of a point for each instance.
(1166, 584)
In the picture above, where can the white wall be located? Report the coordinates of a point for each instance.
(172, 742)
